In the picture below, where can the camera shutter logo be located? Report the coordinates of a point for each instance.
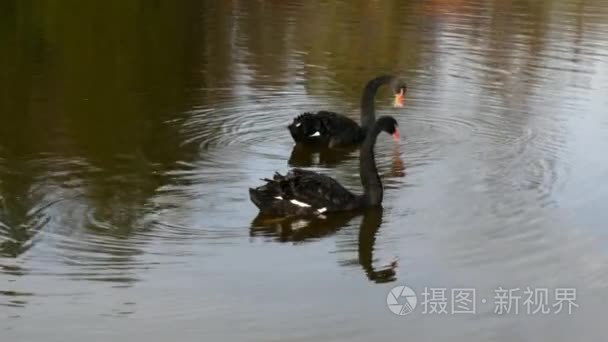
(401, 300)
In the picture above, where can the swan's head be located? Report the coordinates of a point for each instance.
(399, 90)
(389, 125)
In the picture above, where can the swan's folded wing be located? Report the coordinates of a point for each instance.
(317, 190)
(334, 123)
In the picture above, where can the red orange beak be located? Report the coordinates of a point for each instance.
(399, 99)
(396, 136)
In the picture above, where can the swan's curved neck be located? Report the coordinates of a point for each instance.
(368, 110)
(372, 185)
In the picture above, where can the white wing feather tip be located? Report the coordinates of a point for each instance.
(299, 204)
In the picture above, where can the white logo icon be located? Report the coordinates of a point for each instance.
(401, 300)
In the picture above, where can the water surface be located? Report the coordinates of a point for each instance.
(130, 133)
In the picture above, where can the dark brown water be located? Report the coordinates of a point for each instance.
(130, 132)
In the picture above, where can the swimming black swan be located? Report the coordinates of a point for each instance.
(303, 192)
(331, 129)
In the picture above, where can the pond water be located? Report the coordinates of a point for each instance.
(131, 131)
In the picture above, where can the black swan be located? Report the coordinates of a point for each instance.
(333, 130)
(303, 192)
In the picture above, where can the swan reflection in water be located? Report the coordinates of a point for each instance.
(300, 230)
(304, 156)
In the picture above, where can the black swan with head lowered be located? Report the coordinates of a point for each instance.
(302, 192)
(333, 130)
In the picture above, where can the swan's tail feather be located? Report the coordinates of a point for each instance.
(259, 197)
(264, 196)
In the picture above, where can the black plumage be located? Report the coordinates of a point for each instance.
(302, 192)
(331, 129)
(311, 191)
(326, 129)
